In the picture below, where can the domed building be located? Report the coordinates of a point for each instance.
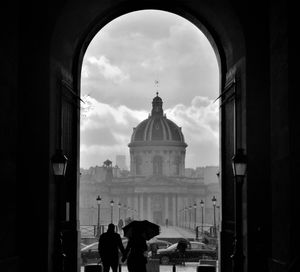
(157, 145)
(156, 187)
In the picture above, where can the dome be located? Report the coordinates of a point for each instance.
(157, 129)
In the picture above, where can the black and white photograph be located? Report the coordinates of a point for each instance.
(148, 136)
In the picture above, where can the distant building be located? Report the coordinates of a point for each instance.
(121, 162)
(158, 186)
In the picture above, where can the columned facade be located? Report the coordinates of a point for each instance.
(156, 188)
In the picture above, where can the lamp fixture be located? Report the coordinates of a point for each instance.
(59, 163)
(239, 163)
(214, 200)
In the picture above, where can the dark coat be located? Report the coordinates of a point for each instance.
(109, 245)
(136, 261)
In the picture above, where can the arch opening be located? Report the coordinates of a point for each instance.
(157, 138)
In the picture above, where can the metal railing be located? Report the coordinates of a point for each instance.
(88, 231)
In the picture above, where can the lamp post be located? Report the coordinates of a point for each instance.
(195, 215)
(98, 199)
(119, 206)
(180, 217)
(239, 166)
(190, 216)
(195, 221)
(59, 165)
(128, 211)
(125, 212)
(214, 200)
(184, 217)
(111, 211)
(202, 206)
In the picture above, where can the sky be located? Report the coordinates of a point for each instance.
(119, 76)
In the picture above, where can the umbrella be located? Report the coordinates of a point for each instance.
(183, 243)
(144, 228)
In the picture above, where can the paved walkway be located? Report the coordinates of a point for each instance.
(175, 232)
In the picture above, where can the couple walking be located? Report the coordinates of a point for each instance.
(109, 245)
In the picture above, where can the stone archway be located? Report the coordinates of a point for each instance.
(224, 33)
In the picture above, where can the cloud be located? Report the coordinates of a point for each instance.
(96, 154)
(106, 69)
(107, 129)
(200, 120)
(130, 53)
(119, 69)
(105, 124)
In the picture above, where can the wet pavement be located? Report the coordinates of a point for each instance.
(189, 267)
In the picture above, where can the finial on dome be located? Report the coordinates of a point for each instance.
(157, 109)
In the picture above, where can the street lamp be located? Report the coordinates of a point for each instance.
(184, 215)
(98, 199)
(202, 206)
(119, 206)
(195, 215)
(239, 167)
(214, 200)
(128, 211)
(125, 212)
(239, 164)
(112, 211)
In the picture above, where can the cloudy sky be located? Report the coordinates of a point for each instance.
(119, 71)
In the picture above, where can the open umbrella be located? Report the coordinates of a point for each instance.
(144, 227)
(183, 244)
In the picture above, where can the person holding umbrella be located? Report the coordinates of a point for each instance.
(135, 253)
(138, 232)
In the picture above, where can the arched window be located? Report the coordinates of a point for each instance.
(157, 165)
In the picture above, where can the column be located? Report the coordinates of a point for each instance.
(149, 214)
(166, 208)
(136, 207)
(174, 209)
(141, 210)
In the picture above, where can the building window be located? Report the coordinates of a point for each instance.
(157, 165)
(177, 162)
(138, 162)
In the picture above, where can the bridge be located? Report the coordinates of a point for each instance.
(171, 233)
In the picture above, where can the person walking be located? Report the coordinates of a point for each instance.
(135, 253)
(108, 247)
(181, 248)
(153, 247)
